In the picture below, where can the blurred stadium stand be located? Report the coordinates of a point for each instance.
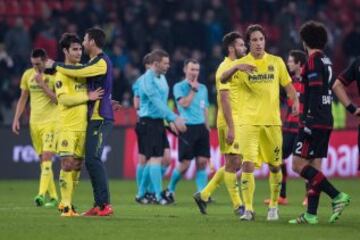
(185, 28)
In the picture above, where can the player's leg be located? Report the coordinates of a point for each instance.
(66, 184)
(49, 149)
(271, 153)
(185, 155)
(249, 148)
(141, 158)
(43, 181)
(201, 151)
(218, 177)
(232, 162)
(311, 148)
(201, 177)
(96, 135)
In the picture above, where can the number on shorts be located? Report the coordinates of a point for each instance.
(298, 147)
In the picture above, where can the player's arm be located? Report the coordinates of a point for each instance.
(95, 67)
(154, 96)
(226, 107)
(226, 75)
(181, 98)
(20, 106)
(343, 80)
(136, 102)
(71, 100)
(41, 83)
(292, 95)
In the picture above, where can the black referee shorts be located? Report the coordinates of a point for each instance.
(153, 137)
(312, 146)
(195, 142)
(139, 130)
(288, 143)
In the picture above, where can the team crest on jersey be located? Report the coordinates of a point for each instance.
(270, 68)
(64, 143)
(58, 84)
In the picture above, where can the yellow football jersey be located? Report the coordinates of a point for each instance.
(233, 86)
(42, 110)
(259, 91)
(72, 118)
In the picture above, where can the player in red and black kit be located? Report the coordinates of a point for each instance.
(349, 75)
(316, 123)
(295, 62)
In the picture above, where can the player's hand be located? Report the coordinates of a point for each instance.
(180, 124)
(194, 84)
(357, 112)
(116, 106)
(249, 69)
(230, 137)
(295, 108)
(96, 95)
(49, 63)
(16, 127)
(39, 79)
(307, 130)
(173, 128)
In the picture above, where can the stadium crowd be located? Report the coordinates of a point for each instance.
(186, 29)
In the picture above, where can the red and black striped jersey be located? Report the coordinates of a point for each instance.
(351, 73)
(291, 122)
(317, 79)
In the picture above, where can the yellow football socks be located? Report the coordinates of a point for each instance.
(275, 187)
(247, 189)
(45, 177)
(214, 183)
(233, 188)
(66, 187)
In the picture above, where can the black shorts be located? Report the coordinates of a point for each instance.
(312, 146)
(288, 143)
(139, 135)
(153, 135)
(195, 142)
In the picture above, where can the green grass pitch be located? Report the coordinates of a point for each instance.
(20, 219)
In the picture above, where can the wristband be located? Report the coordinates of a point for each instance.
(351, 108)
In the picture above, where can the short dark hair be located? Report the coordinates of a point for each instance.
(190, 60)
(299, 56)
(39, 53)
(253, 28)
(314, 34)
(98, 35)
(147, 59)
(158, 54)
(67, 39)
(229, 39)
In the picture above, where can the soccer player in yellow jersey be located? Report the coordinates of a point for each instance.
(39, 87)
(72, 98)
(227, 119)
(259, 118)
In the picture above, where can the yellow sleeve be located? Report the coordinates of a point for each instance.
(95, 67)
(219, 85)
(24, 80)
(284, 77)
(73, 99)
